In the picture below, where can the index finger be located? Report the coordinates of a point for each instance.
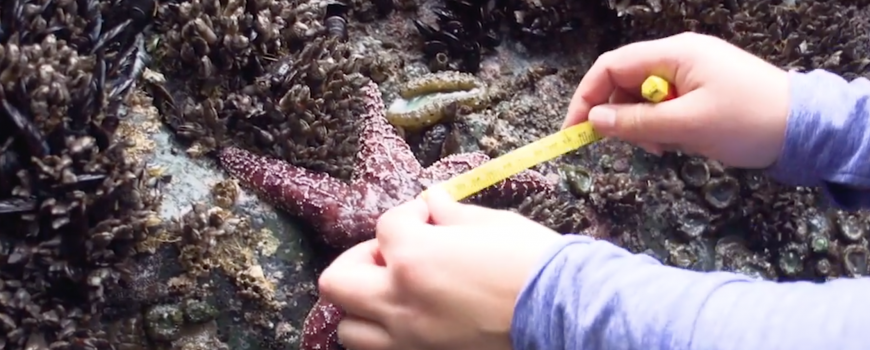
(625, 68)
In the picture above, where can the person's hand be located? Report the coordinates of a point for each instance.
(731, 106)
(452, 284)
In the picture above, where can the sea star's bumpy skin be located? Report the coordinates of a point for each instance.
(386, 174)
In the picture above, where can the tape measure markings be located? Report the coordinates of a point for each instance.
(503, 167)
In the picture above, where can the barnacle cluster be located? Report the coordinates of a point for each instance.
(210, 238)
(73, 204)
(262, 73)
(811, 242)
(697, 214)
(807, 35)
(803, 35)
(184, 325)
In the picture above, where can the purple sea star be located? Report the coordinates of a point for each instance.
(386, 174)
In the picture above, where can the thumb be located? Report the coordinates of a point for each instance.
(444, 211)
(664, 122)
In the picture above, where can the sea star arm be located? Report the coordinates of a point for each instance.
(320, 330)
(453, 165)
(515, 189)
(384, 158)
(315, 197)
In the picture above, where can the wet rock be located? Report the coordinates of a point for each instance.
(199, 337)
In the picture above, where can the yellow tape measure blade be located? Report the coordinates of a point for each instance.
(501, 168)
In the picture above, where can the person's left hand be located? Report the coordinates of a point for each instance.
(448, 285)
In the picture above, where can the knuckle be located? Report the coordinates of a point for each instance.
(382, 226)
(690, 36)
(692, 43)
(326, 283)
(404, 265)
(606, 58)
(633, 118)
(691, 127)
(509, 216)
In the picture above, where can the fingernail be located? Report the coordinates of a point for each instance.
(602, 116)
(437, 193)
(427, 194)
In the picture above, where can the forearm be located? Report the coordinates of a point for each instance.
(593, 295)
(827, 141)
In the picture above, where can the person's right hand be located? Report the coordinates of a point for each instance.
(731, 105)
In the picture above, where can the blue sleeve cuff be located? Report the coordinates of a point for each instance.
(827, 140)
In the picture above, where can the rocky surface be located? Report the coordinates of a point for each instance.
(208, 265)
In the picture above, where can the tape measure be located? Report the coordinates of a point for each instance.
(654, 89)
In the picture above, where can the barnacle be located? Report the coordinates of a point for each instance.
(721, 193)
(791, 258)
(819, 241)
(693, 255)
(695, 173)
(225, 193)
(824, 268)
(426, 100)
(856, 259)
(691, 220)
(733, 255)
(577, 179)
(851, 227)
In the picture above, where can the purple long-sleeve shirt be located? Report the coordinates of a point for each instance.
(593, 295)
